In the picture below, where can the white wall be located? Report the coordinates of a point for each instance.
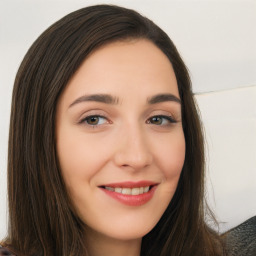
(217, 39)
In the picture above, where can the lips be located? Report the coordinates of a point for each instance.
(130, 193)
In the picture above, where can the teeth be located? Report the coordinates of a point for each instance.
(110, 189)
(135, 191)
(118, 190)
(146, 189)
(129, 191)
(126, 191)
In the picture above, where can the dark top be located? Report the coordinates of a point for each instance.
(4, 252)
(240, 241)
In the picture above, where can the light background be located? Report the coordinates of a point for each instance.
(217, 40)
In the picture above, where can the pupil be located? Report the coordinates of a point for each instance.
(93, 120)
(157, 120)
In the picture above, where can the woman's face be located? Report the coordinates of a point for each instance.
(120, 140)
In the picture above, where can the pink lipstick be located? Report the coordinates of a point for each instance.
(131, 193)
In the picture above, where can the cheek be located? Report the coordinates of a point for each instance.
(171, 156)
(170, 161)
(80, 158)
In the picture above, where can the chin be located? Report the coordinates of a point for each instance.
(128, 234)
(126, 230)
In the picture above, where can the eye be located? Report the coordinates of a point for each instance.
(94, 120)
(161, 120)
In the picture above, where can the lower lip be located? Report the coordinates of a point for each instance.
(131, 200)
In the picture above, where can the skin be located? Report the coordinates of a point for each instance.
(126, 140)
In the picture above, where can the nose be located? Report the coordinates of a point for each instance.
(133, 151)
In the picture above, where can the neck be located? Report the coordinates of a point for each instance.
(101, 245)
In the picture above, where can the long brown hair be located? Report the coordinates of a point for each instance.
(42, 219)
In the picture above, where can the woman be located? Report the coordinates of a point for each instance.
(106, 150)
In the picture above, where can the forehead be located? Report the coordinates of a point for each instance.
(120, 68)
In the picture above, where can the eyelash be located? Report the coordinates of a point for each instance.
(169, 119)
(86, 119)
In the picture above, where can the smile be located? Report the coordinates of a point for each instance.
(131, 193)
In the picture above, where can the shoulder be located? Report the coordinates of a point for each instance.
(241, 240)
(4, 252)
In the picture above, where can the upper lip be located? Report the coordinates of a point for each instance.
(130, 184)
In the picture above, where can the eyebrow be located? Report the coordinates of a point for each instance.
(103, 98)
(163, 98)
(109, 99)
